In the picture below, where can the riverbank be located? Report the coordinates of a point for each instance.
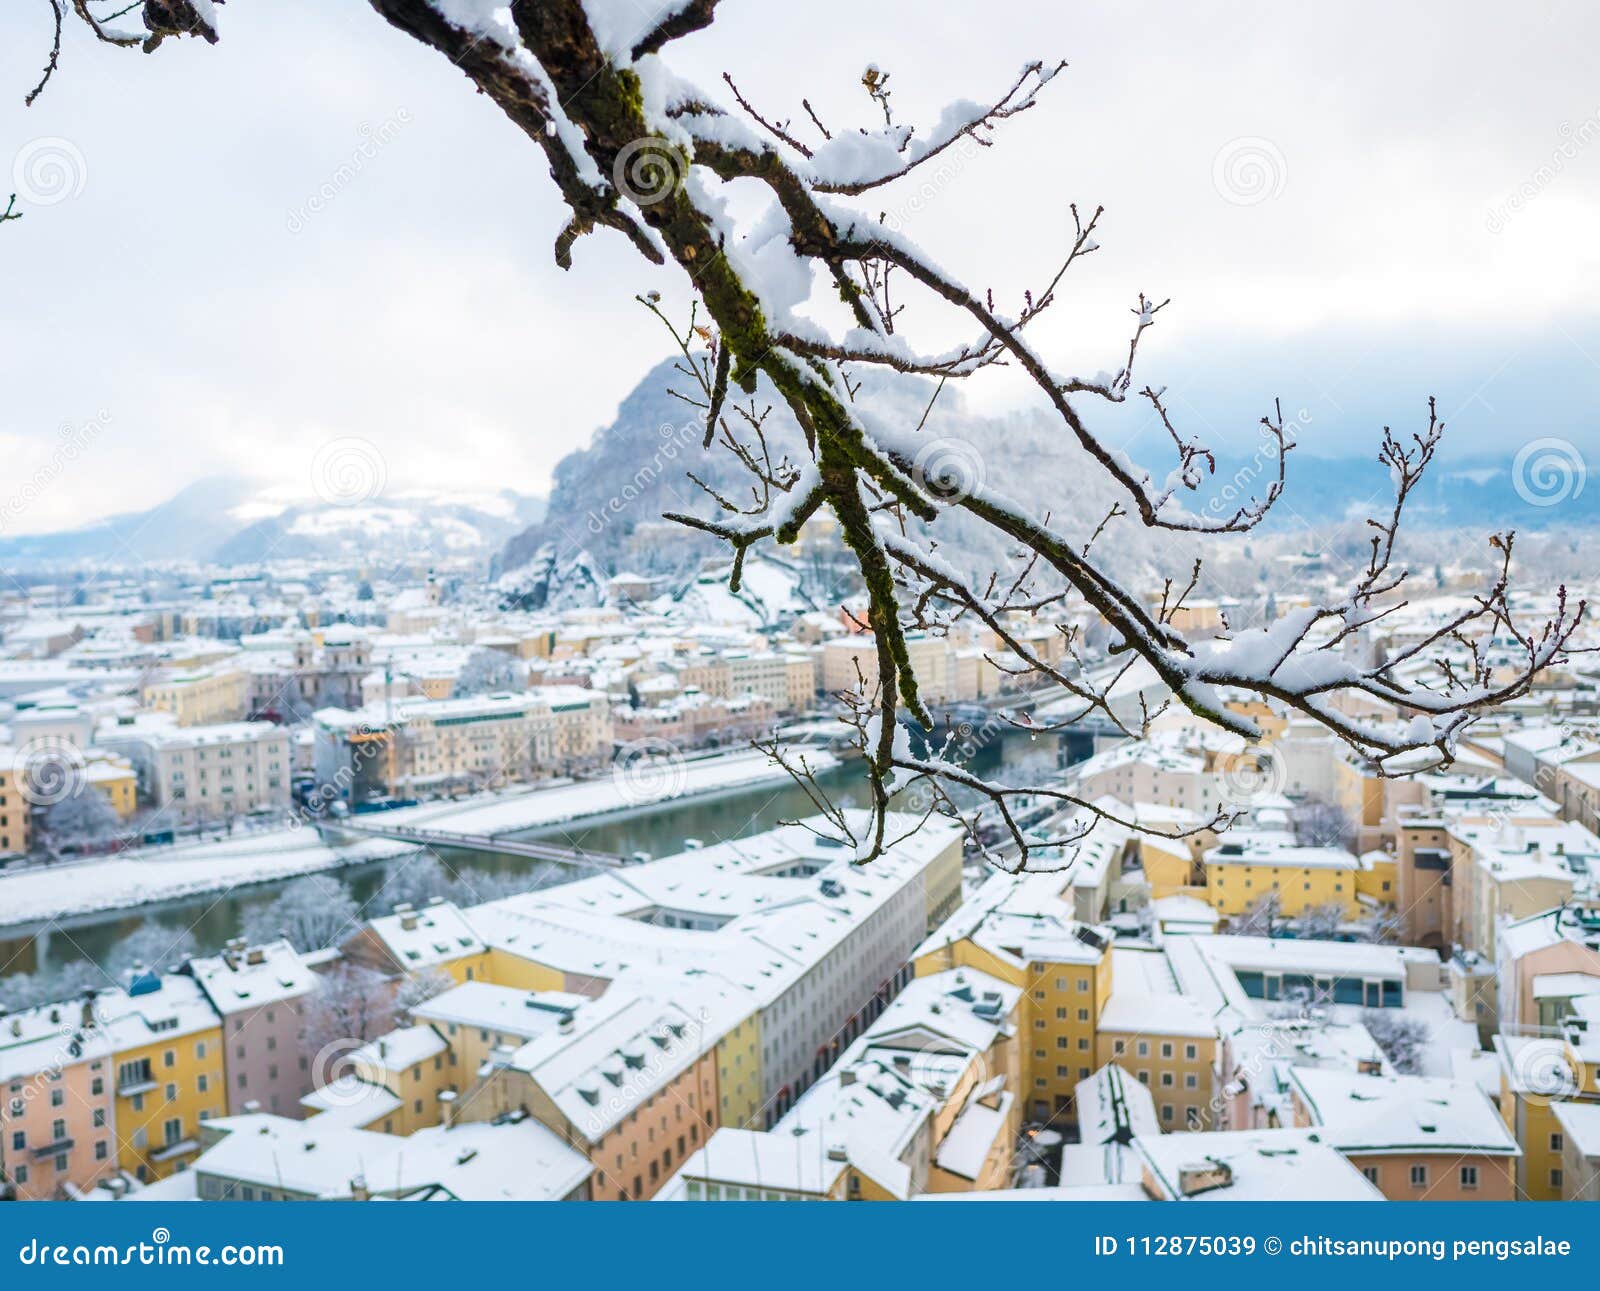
(636, 790)
(31, 897)
(141, 877)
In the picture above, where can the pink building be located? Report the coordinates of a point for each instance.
(57, 1122)
(260, 992)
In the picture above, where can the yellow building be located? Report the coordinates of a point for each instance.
(1171, 867)
(437, 937)
(925, 1101)
(1378, 878)
(1169, 1044)
(200, 697)
(1535, 1073)
(415, 1065)
(166, 1041)
(1239, 874)
(15, 822)
(117, 781)
(1062, 966)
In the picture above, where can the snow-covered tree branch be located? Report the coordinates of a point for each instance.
(634, 148)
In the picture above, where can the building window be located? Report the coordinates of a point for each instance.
(1371, 1173)
(1191, 1052)
(1166, 1049)
(1469, 1177)
(1419, 1176)
(1556, 1142)
(1555, 1178)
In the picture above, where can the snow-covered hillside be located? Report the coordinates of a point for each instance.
(230, 521)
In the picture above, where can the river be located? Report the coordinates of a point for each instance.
(212, 917)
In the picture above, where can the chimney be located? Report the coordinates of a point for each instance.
(1370, 1066)
(567, 1025)
(447, 1108)
(847, 1076)
(358, 1189)
(836, 1152)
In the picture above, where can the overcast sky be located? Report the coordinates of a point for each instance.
(1352, 206)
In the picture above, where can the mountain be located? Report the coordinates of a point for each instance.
(606, 500)
(229, 521)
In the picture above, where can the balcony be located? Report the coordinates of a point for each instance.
(137, 1085)
(52, 1149)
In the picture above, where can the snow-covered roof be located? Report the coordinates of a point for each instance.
(474, 1161)
(423, 938)
(1580, 1122)
(47, 1038)
(1252, 1165)
(1362, 1114)
(620, 1050)
(176, 1008)
(1113, 1107)
(400, 1049)
(1156, 1015)
(498, 1009)
(248, 977)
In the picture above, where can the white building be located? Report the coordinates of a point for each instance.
(205, 773)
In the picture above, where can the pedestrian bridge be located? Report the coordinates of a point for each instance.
(373, 826)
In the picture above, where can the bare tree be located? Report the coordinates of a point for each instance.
(421, 987)
(1261, 918)
(149, 946)
(50, 985)
(312, 912)
(486, 672)
(80, 818)
(1319, 823)
(351, 1005)
(1320, 922)
(821, 284)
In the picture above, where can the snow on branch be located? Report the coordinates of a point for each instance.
(635, 148)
